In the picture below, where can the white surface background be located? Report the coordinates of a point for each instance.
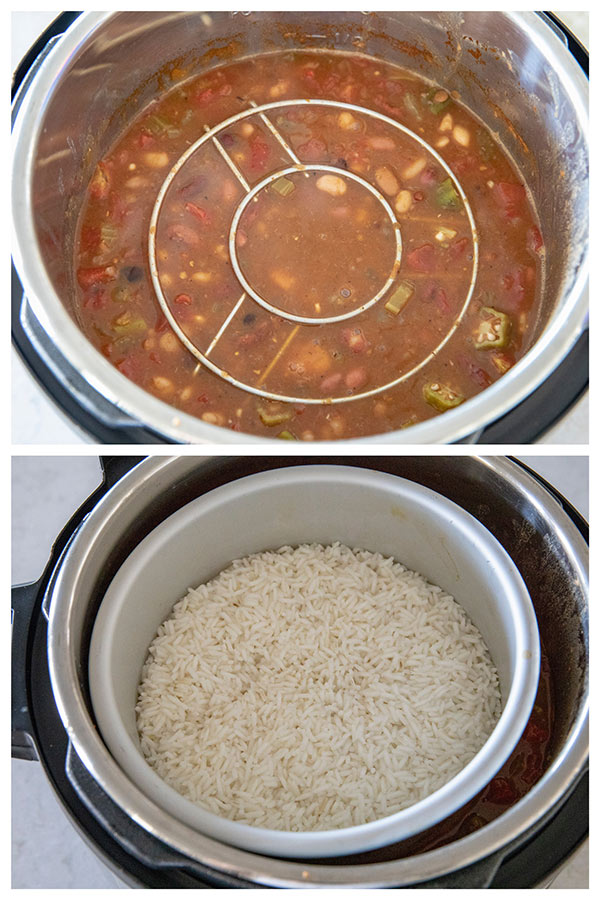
(35, 419)
(46, 849)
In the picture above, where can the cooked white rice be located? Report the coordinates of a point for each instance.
(313, 688)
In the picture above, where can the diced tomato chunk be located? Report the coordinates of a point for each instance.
(128, 367)
(535, 734)
(97, 298)
(259, 153)
(534, 239)
(422, 258)
(183, 299)
(198, 213)
(146, 140)
(478, 375)
(533, 767)
(97, 275)
(510, 198)
(162, 323)
(465, 164)
(90, 238)
(429, 176)
(313, 150)
(205, 97)
(183, 234)
(514, 284)
(501, 790)
(458, 248)
(355, 339)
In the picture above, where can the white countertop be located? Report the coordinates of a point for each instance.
(35, 419)
(46, 849)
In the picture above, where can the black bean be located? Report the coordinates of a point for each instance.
(341, 163)
(249, 319)
(133, 273)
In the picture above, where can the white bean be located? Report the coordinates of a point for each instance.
(414, 168)
(404, 201)
(386, 180)
(156, 159)
(332, 184)
(461, 136)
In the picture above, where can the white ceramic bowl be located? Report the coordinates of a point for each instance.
(360, 508)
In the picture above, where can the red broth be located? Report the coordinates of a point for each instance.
(320, 274)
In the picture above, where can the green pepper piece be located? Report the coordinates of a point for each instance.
(436, 106)
(400, 298)
(121, 294)
(129, 325)
(493, 331)
(286, 436)
(284, 186)
(273, 418)
(447, 195)
(441, 397)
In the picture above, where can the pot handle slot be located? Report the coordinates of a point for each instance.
(85, 396)
(23, 87)
(115, 467)
(560, 34)
(132, 837)
(23, 602)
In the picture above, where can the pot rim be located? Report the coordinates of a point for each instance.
(563, 773)
(551, 347)
(508, 588)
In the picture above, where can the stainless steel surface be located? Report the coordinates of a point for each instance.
(544, 543)
(359, 508)
(526, 86)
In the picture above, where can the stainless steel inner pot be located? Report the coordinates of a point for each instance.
(546, 547)
(512, 69)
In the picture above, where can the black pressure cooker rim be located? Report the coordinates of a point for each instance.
(525, 423)
(532, 860)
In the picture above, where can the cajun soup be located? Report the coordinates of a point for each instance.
(309, 246)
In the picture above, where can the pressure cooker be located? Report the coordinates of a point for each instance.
(526, 65)
(53, 719)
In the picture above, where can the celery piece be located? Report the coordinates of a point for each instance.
(493, 330)
(441, 397)
(273, 418)
(411, 105)
(284, 186)
(286, 436)
(108, 233)
(447, 195)
(400, 298)
(158, 125)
